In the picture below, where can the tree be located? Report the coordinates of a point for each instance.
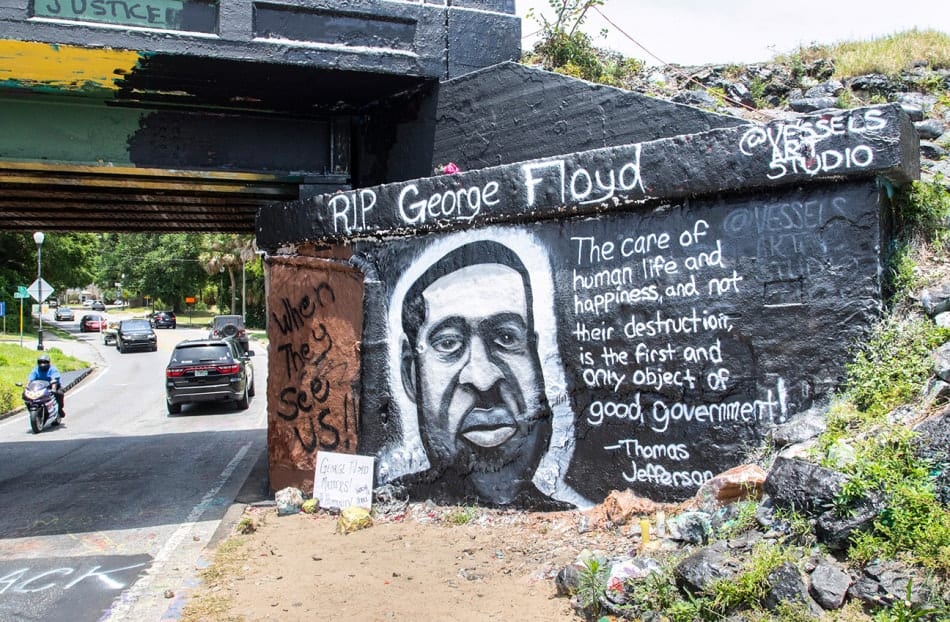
(68, 260)
(565, 48)
(228, 252)
(164, 267)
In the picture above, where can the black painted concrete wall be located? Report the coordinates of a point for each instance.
(510, 113)
(637, 316)
(668, 340)
(423, 39)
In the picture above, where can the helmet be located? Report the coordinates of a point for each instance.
(42, 361)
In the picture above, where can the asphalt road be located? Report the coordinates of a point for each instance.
(106, 517)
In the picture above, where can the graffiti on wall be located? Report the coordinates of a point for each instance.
(636, 350)
(312, 361)
(846, 142)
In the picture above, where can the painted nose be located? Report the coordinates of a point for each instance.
(480, 371)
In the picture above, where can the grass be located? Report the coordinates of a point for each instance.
(212, 604)
(889, 55)
(462, 515)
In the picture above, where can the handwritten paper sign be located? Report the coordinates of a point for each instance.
(343, 480)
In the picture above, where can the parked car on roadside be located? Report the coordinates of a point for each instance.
(98, 305)
(229, 326)
(163, 319)
(92, 323)
(64, 314)
(135, 334)
(207, 370)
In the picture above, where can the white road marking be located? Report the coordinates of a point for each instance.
(128, 599)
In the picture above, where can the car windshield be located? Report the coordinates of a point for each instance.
(135, 325)
(224, 320)
(204, 353)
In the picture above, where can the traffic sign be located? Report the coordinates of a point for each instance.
(21, 292)
(34, 290)
(3, 309)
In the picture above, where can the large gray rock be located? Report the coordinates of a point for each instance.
(874, 83)
(883, 583)
(786, 585)
(930, 129)
(802, 427)
(933, 445)
(941, 358)
(835, 530)
(699, 571)
(828, 88)
(691, 527)
(696, 97)
(802, 486)
(811, 104)
(932, 150)
(936, 300)
(829, 585)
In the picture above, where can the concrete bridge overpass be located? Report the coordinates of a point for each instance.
(188, 115)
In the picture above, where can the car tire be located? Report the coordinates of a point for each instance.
(243, 402)
(119, 346)
(155, 348)
(173, 409)
(252, 391)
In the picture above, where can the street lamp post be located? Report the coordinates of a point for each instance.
(38, 238)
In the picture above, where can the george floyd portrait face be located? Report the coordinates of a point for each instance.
(472, 369)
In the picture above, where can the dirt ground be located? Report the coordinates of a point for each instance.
(424, 563)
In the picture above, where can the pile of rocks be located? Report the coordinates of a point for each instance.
(708, 541)
(768, 91)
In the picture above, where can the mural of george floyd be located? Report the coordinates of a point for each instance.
(538, 334)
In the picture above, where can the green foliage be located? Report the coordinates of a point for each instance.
(564, 48)
(744, 521)
(903, 610)
(922, 211)
(902, 277)
(593, 582)
(17, 362)
(757, 88)
(462, 515)
(893, 364)
(912, 524)
(751, 584)
(889, 55)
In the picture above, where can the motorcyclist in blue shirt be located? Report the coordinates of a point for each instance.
(45, 370)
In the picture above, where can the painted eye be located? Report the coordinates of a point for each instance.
(509, 338)
(447, 343)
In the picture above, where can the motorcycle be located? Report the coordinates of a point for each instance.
(41, 404)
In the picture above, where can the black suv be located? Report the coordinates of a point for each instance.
(135, 335)
(229, 326)
(163, 319)
(208, 370)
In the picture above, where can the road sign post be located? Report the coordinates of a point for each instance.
(21, 294)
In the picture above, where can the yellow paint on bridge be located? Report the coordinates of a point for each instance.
(63, 67)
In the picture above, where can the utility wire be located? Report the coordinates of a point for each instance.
(689, 79)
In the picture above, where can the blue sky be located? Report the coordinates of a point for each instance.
(696, 32)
